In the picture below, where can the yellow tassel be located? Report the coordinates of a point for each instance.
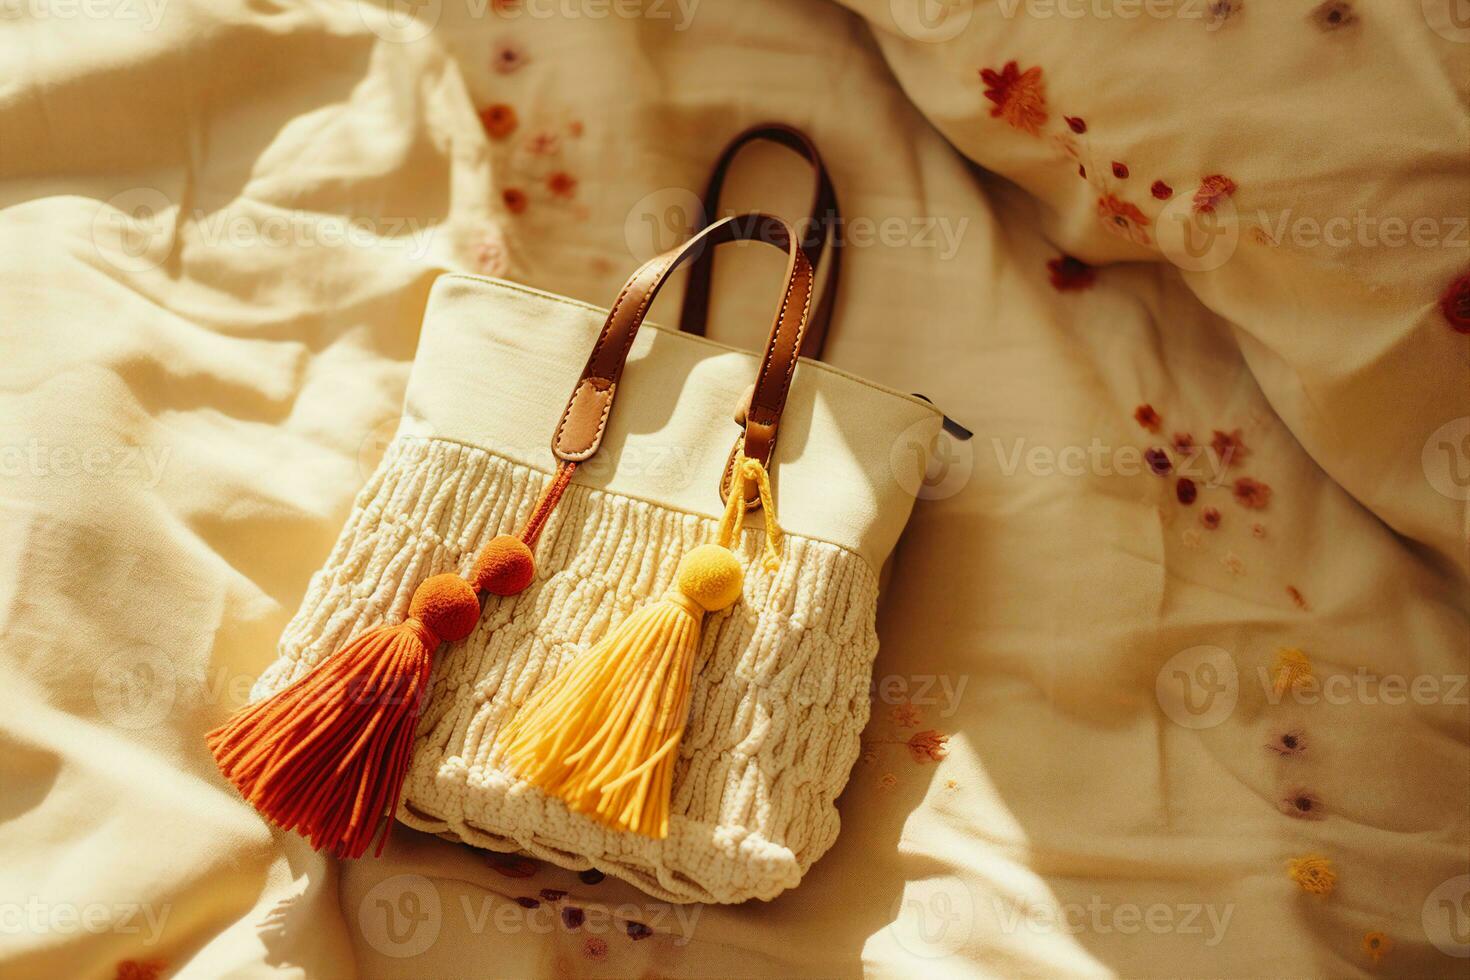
(603, 736)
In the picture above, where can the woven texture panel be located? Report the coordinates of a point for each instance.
(780, 692)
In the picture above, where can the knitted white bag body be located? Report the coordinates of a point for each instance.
(780, 691)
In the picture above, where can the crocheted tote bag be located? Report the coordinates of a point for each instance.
(582, 632)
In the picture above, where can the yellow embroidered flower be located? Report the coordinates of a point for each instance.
(1292, 669)
(1313, 873)
(1377, 945)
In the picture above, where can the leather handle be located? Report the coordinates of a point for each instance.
(584, 421)
(823, 229)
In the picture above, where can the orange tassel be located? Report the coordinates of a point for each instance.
(326, 756)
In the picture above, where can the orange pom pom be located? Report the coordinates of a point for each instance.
(505, 567)
(447, 606)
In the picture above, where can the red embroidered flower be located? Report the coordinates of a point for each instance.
(514, 199)
(1229, 447)
(1182, 442)
(1212, 190)
(499, 120)
(543, 143)
(1252, 494)
(1076, 124)
(1120, 170)
(506, 58)
(595, 948)
(1161, 190)
(574, 128)
(1019, 96)
(562, 184)
(1455, 304)
(905, 715)
(1145, 416)
(1210, 518)
(928, 746)
(1186, 491)
(1069, 274)
(1122, 218)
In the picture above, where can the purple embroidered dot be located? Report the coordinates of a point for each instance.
(573, 917)
(591, 876)
(1332, 14)
(1161, 190)
(637, 931)
(1186, 491)
(553, 894)
(1077, 124)
(1120, 170)
(527, 902)
(511, 866)
(1081, 171)
(1302, 805)
(1290, 742)
(1158, 461)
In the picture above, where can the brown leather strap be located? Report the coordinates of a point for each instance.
(583, 423)
(823, 224)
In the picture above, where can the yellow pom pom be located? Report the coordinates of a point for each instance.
(710, 576)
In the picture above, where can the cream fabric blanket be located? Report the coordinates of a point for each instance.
(1109, 711)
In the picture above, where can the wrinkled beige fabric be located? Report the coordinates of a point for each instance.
(218, 228)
